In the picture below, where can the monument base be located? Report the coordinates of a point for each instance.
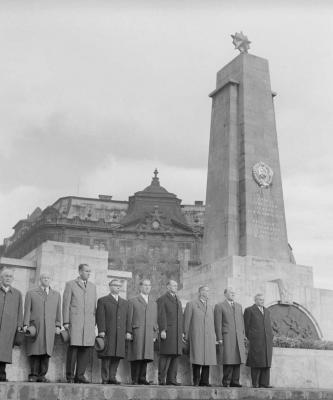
(279, 282)
(60, 391)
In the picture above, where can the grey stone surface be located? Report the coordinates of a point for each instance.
(243, 218)
(35, 391)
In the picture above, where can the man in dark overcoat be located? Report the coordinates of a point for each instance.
(199, 331)
(141, 332)
(11, 318)
(230, 333)
(111, 319)
(258, 329)
(79, 317)
(170, 326)
(42, 309)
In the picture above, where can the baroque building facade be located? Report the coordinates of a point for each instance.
(152, 234)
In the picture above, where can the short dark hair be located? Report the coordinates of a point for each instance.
(114, 280)
(81, 266)
(202, 287)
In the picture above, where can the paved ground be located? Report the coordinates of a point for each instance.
(64, 391)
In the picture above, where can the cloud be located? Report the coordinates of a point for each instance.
(95, 95)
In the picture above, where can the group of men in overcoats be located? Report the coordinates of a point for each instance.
(135, 328)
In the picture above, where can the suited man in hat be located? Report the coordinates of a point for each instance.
(141, 332)
(258, 329)
(11, 318)
(78, 310)
(170, 325)
(229, 330)
(42, 309)
(111, 318)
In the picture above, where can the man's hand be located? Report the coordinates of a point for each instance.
(57, 330)
(246, 341)
(129, 336)
(220, 341)
(66, 326)
(101, 334)
(25, 328)
(184, 337)
(163, 335)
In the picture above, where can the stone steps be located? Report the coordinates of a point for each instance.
(64, 391)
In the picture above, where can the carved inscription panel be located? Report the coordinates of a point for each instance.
(267, 218)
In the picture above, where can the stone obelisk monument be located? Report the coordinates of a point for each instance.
(244, 204)
(245, 241)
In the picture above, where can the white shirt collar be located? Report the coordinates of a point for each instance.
(5, 289)
(47, 289)
(145, 297)
(115, 296)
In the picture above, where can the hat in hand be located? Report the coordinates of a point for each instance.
(99, 343)
(64, 334)
(31, 331)
(19, 337)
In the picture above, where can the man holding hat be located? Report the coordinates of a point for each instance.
(42, 319)
(78, 310)
(111, 317)
(11, 318)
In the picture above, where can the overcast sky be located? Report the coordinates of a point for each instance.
(96, 94)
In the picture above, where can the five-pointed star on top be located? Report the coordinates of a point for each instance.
(241, 42)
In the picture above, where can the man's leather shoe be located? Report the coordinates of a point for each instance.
(81, 380)
(205, 384)
(114, 382)
(174, 383)
(70, 380)
(266, 386)
(235, 384)
(105, 382)
(255, 386)
(43, 379)
(32, 379)
(226, 385)
(161, 383)
(144, 382)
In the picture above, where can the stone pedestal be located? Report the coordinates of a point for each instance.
(278, 281)
(61, 260)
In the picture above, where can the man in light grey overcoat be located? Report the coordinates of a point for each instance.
(229, 329)
(11, 318)
(42, 309)
(199, 331)
(78, 314)
(141, 332)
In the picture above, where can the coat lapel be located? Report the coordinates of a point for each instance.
(80, 283)
(113, 300)
(258, 312)
(142, 300)
(201, 305)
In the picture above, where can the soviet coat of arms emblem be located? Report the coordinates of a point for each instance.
(262, 174)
